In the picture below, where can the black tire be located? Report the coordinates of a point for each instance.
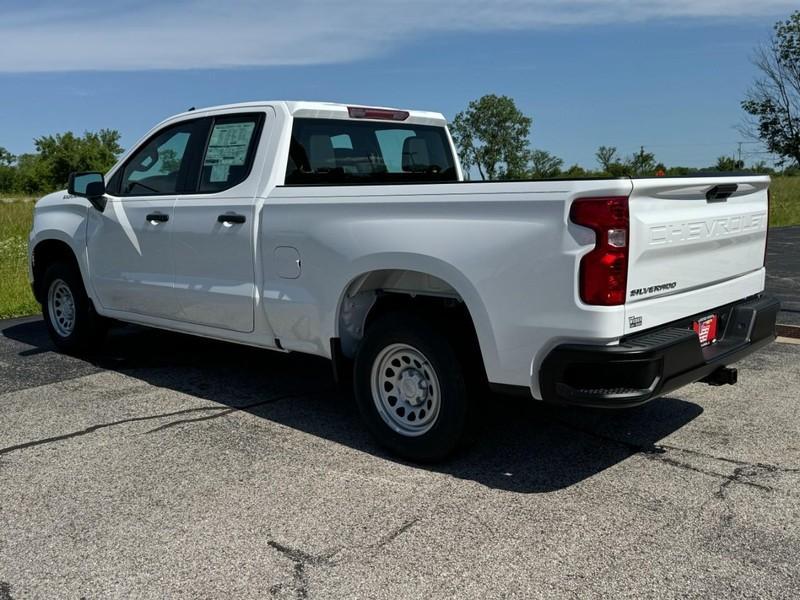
(454, 423)
(88, 328)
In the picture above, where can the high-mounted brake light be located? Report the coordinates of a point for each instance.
(604, 271)
(361, 112)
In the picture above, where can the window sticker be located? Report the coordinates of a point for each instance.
(219, 173)
(228, 148)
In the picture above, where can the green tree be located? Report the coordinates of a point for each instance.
(31, 175)
(492, 135)
(607, 156)
(762, 168)
(7, 171)
(8, 179)
(641, 164)
(544, 165)
(791, 171)
(773, 102)
(64, 153)
(727, 164)
(576, 172)
(611, 164)
(680, 171)
(6, 158)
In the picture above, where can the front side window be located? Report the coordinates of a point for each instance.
(339, 151)
(160, 166)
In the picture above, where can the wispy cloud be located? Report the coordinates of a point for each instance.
(50, 35)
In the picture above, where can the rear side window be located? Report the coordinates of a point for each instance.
(337, 151)
(229, 153)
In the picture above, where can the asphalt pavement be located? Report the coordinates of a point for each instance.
(783, 271)
(173, 467)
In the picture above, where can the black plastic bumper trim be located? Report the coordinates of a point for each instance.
(646, 366)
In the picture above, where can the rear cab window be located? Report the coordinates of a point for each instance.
(341, 151)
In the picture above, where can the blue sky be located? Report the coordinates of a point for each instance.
(667, 75)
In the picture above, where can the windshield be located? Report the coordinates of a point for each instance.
(337, 151)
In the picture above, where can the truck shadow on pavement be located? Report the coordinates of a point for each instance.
(523, 446)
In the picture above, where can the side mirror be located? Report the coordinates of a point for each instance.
(91, 186)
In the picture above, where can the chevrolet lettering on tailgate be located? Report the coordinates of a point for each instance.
(702, 230)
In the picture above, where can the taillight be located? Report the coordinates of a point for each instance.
(604, 271)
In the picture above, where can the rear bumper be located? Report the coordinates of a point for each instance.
(657, 362)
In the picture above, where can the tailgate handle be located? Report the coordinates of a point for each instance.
(721, 192)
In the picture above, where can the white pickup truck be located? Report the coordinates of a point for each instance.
(349, 232)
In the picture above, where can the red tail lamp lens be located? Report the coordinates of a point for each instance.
(604, 271)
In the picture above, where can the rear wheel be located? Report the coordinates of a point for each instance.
(71, 320)
(411, 388)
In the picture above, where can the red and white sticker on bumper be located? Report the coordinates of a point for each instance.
(706, 330)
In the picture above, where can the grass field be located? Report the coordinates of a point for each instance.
(15, 293)
(785, 201)
(16, 214)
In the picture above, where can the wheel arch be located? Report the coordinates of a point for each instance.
(391, 283)
(46, 252)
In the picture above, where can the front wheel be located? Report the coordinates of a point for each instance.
(71, 320)
(411, 388)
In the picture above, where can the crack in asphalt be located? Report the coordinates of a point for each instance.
(301, 560)
(729, 479)
(196, 420)
(93, 428)
(226, 411)
(658, 453)
(734, 461)
(633, 447)
(393, 535)
(744, 471)
(721, 494)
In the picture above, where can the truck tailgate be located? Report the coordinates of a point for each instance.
(695, 243)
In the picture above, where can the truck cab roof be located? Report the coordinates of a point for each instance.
(321, 110)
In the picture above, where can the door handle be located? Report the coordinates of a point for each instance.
(156, 218)
(231, 218)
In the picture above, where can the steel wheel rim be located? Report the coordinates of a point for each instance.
(406, 390)
(61, 307)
